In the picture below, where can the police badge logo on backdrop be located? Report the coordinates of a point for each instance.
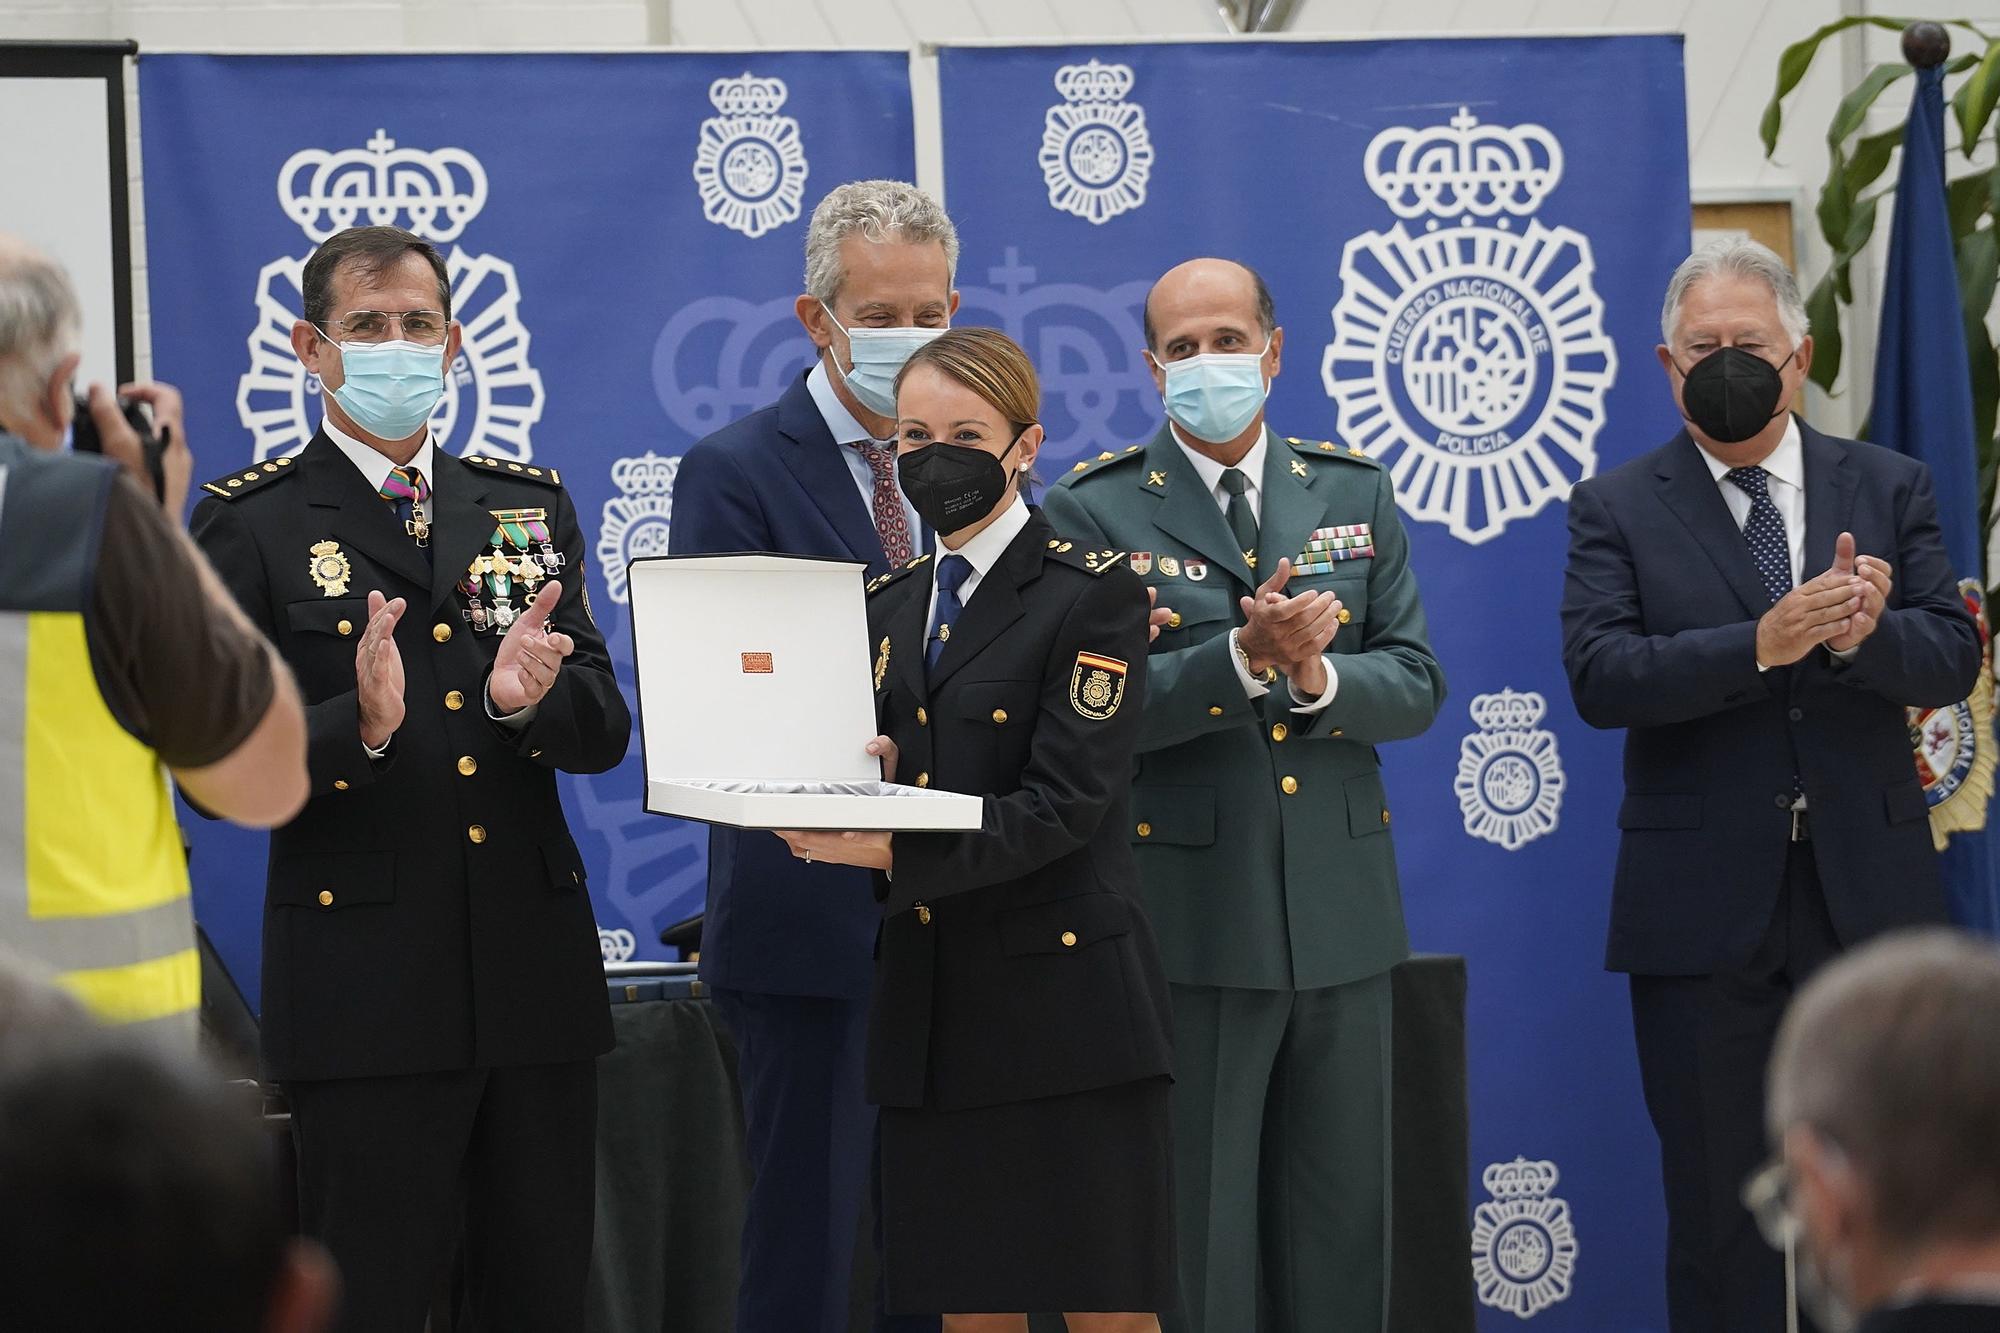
(1471, 358)
(1524, 1246)
(492, 395)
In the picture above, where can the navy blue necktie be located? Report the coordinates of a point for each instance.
(1764, 530)
(952, 572)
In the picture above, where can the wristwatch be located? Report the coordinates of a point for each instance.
(1268, 676)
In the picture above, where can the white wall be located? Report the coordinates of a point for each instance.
(1732, 48)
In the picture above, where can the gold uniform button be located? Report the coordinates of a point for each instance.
(441, 632)
(1385, 816)
(923, 915)
(325, 898)
(454, 700)
(1215, 710)
(468, 766)
(1290, 786)
(1145, 830)
(923, 718)
(1069, 939)
(1000, 717)
(1279, 731)
(344, 628)
(1174, 620)
(1338, 732)
(340, 784)
(1344, 615)
(923, 779)
(477, 833)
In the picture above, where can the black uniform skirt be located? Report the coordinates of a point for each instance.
(1059, 1204)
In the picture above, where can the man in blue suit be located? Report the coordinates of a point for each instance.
(1716, 608)
(787, 947)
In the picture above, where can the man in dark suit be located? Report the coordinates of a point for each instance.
(433, 990)
(1885, 1091)
(1715, 608)
(788, 947)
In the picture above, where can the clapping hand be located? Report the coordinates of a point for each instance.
(1874, 573)
(378, 672)
(1290, 633)
(530, 656)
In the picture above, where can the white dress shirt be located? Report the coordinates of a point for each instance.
(375, 467)
(982, 553)
(847, 433)
(1787, 469)
(1252, 466)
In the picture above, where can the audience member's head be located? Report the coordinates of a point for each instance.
(135, 1192)
(1885, 1105)
(41, 340)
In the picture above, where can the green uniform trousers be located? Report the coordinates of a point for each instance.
(1281, 1159)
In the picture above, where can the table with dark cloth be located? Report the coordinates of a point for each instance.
(672, 1177)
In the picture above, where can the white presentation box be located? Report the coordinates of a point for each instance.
(756, 701)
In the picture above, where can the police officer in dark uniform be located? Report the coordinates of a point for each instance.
(1018, 1042)
(433, 988)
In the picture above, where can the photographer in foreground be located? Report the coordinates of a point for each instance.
(120, 652)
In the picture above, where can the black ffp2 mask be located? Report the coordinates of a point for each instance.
(1731, 394)
(953, 486)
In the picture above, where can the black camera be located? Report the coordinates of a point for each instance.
(85, 439)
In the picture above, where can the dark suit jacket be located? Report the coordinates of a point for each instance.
(396, 940)
(1934, 1317)
(1660, 609)
(1016, 961)
(775, 482)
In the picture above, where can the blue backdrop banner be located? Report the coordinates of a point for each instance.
(1468, 242)
(625, 235)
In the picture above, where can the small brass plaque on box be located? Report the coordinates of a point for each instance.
(757, 664)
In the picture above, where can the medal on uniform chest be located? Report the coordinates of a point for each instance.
(1170, 567)
(1197, 570)
(522, 552)
(330, 568)
(418, 525)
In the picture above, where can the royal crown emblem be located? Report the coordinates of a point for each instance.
(1523, 1241)
(1096, 155)
(1954, 744)
(750, 165)
(1470, 358)
(637, 519)
(1510, 778)
(492, 395)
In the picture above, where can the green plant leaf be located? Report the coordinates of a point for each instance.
(1975, 98)
(1824, 313)
(1966, 201)
(1797, 58)
(1871, 157)
(1978, 261)
(1853, 108)
(1860, 227)
(1836, 200)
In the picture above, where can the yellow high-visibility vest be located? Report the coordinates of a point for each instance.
(93, 880)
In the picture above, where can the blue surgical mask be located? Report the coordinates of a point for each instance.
(879, 356)
(1215, 396)
(390, 388)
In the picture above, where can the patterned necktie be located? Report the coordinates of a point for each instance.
(1764, 530)
(408, 493)
(892, 523)
(952, 572)
(1242, 520)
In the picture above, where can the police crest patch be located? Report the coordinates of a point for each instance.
(1954, 744)
(1097, 686)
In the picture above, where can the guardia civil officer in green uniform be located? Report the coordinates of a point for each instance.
(1296, 645)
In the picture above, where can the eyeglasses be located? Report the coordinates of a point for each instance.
(371, 326)
(1768, 1196)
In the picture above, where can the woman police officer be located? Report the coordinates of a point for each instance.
(1019, 1044)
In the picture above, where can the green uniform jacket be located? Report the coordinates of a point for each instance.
(1262, 834)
